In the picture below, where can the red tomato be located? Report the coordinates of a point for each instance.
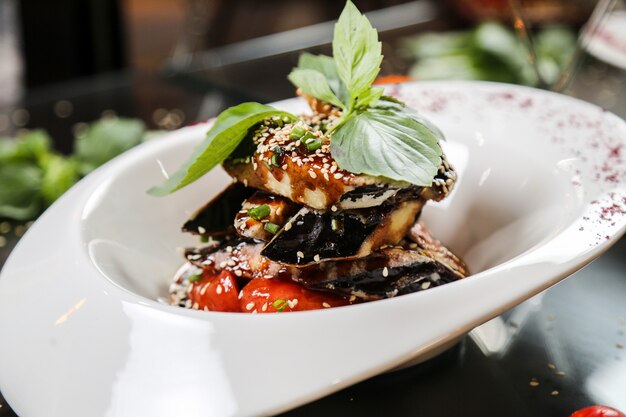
(216, 293)
(272, 295)
(392, 79)
(598, 411)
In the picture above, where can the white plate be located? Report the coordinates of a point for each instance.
(541, 193)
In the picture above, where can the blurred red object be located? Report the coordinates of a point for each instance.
(392, 79)
(598, 411)
(535, 11)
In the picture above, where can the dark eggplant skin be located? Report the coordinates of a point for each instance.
(312, 236)
(383, 274)
(216, 217)
(325, 234)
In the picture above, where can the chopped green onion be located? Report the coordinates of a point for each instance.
(280, 304)
(273, 228)
(271, 168)
(204, 239)
(259, 212)
(314, 145)
(194, 278)
(297, 133)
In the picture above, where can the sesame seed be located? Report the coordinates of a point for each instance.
(219, 289)
(240, 295)
(425, 285)
(250, 306)
(312, 174)
(533, 383)
(284, 167)
(560, 373)
(316, 258)
(3, 241)
(229, 249)
(223, 264)
(352, 298)
(385, 272)
(300, 254)
(238, 272)
(325, 305)
(554, 393)
(245, 182)
(195, 306)
(264, 307)
(551, 366)
(287, 227)
(326, 177)
(204, 288)
(201, 229)
(333, 208)
(231, 262)
(338, 175)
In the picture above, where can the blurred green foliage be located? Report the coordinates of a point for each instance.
(33, 175)
(490, 52)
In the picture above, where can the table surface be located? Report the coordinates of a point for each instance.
(558, 352)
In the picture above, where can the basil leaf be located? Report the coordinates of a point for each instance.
(106, 139)
(370, 97)
(389, 141)
(356, 51)
(59, 175)
(314, 84)
(230, 128)
(19, 190)
(31, 146)
(326, 66)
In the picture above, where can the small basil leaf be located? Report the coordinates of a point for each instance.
(326, 66)
(369, 98)
(356, 50)
(59, 175)
(106, 139)
(388, 141)
(31, 146)
(19, 190)
(314, 84)
(230, 128)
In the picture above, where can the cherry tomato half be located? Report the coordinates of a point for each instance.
(598, 411)
(216, 293)
(271, 295)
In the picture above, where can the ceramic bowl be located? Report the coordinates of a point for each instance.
(541, 192)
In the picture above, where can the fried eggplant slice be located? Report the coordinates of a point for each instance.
(262, 215)
(385, 273)
(304, 171)
(433, 248)
(216, 217)
(313, 236)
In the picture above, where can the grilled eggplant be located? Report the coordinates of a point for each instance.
(313, 236)
(262, 215)
(216, 217)
(385, 273)
(309, 175)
